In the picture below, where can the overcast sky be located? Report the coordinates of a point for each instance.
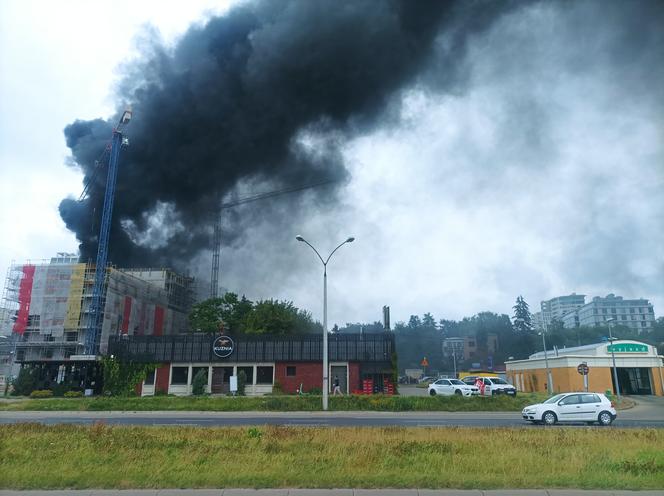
(539, 172)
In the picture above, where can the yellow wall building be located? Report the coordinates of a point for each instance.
(639, 369)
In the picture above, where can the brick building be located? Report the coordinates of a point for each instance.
(268, 362)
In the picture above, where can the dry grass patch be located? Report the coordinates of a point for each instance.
(69, 456)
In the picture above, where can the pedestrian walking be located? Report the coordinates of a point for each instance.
(337, 388)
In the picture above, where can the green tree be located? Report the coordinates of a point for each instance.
(279, 317)
(229, 310)
(414, 322)
(428, 320)
(522, 318)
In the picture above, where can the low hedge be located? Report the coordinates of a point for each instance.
(41, 393)
(284, 403)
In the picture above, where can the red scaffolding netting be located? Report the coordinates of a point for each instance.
(24, 296)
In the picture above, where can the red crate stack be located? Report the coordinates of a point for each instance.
(367, 386)
(388, 387)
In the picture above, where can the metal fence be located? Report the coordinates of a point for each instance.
(259, 348)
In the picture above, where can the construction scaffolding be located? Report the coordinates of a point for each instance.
(48, 306)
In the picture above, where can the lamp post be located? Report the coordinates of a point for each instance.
(549, 379)
(613, 356)
(325, 357)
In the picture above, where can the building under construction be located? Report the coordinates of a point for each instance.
(49, 308)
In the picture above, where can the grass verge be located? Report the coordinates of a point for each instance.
(100, 456)
(278, 403)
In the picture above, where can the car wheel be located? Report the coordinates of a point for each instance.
(549, 418)
(432, 392)
(604, 418)
(458, 392)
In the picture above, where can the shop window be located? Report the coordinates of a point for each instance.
(264, 375)
(179, 376)
(71, 336)
(196, 370)
(249, 372)
(149, 380)
(290, 371)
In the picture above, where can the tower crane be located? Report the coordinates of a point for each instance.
(216, 248)
(118, 140)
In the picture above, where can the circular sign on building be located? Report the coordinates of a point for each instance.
(583, 369)
(223, 346)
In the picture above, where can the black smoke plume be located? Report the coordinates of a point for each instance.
(241, 100)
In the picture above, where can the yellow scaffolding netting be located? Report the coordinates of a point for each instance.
(75, 297)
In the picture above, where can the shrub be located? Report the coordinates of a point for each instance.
(60, 389)
(73, 394)
(254, 433)
(120, 378)
(277, 388)
(26, 382)
(41, 393)
(241, 382)
(316, 390)
(199, 382)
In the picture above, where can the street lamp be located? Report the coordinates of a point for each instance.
(325, 357)
(613, 357)
(549, 379)
(549, 383)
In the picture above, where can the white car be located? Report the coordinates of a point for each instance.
(572, 407)
(452, 386)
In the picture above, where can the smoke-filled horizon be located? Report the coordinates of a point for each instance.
(256, 99)
(479, 150)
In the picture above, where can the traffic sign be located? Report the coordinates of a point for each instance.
(583, 369)
(424, 362)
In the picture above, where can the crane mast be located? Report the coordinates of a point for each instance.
(96, 309)
(216, 247)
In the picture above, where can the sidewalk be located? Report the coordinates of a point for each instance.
(333, 492)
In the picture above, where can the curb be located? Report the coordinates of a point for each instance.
(332, 492)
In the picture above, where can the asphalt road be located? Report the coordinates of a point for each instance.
(329, 419)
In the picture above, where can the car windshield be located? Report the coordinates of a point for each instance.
(458, 382)
(555, 398)
(497, 380)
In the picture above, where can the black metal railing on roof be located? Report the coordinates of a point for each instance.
(187, 348)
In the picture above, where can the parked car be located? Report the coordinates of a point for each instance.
(572, 407)
(452, 386)
(492, 385)
(427, 379)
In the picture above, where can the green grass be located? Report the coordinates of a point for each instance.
(100, 456)
(278, 403)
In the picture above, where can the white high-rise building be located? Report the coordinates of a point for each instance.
(555, 308)
(637, 314)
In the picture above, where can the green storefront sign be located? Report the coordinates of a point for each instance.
(627, 348)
